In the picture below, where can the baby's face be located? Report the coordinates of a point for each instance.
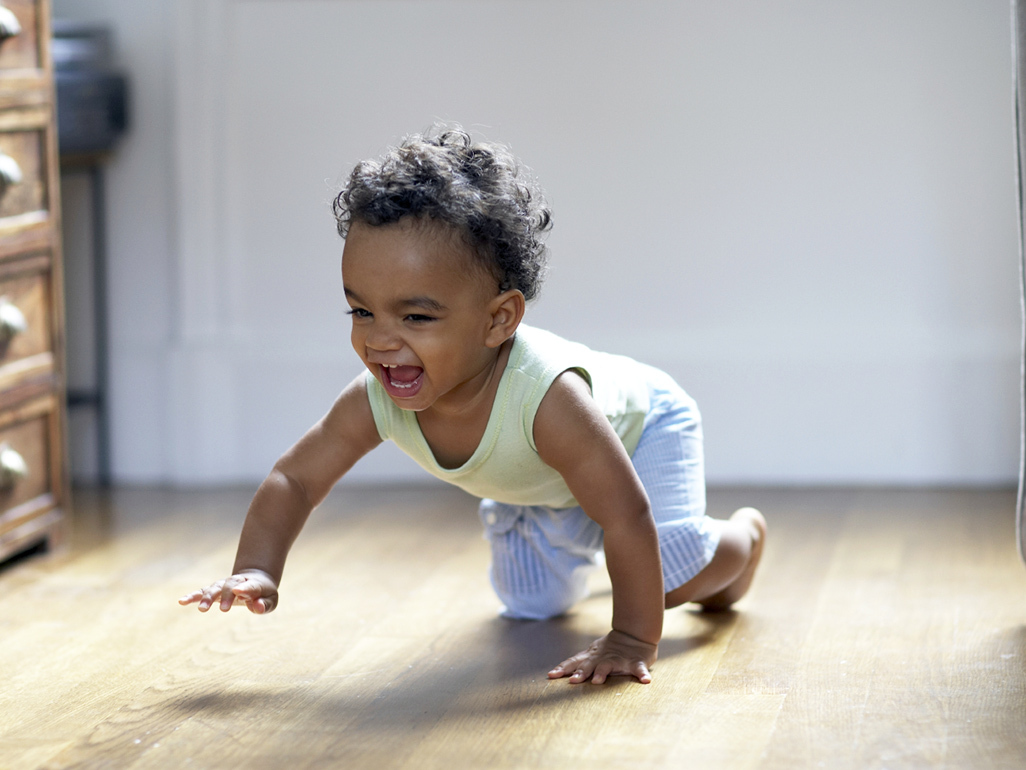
(421, 309)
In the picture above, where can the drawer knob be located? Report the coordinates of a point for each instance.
(10, 172)
(12, 321)
(9, 24)
(12, 466)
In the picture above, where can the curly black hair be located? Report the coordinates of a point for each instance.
(478, 188)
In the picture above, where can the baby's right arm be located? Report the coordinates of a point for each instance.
(300, 480)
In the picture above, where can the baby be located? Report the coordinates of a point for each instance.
(572, 451)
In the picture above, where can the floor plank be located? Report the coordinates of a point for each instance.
(887, 628)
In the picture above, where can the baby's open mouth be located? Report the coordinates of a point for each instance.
(402, 378)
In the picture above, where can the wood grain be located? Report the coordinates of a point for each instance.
(31, 270)
(887, 628)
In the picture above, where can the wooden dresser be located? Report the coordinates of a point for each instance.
(33, 478)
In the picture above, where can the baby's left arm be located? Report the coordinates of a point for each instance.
(574, 437)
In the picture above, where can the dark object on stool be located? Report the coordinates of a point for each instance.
(92, 113)
(92, 98)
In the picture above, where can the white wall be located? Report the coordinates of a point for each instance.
(142, 250)
(804, 211)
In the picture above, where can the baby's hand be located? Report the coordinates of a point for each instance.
(614, 654)
(251, 587)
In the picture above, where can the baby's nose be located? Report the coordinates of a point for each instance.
(383, 339)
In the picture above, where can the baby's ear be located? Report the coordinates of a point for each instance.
(507, 311)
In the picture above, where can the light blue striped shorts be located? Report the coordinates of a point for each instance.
(541, 557)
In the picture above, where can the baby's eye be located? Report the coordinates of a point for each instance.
(418, 319)
(359, 312)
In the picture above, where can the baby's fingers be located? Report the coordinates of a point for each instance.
(578, 668)
(641, 672)
(602, 671)
(251, 592)
(238, 589)
(584, 670)
(621, 667)
(568, 667)
(204, 597)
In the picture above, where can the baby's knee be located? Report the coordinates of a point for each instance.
(734, 549)
(550, 599)
(741, 536)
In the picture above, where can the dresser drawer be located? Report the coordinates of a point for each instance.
(23, 50)
(26, 463)
(26, 339)
(23, 178)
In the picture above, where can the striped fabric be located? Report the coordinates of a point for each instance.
(541, 557)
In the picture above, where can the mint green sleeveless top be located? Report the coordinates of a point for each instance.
(506, 466)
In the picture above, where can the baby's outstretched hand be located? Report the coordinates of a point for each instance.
(614, 654)
(251, 587)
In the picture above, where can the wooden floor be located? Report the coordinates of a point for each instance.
(886, 629)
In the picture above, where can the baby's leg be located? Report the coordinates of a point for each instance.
(540, 562)
(728, 576)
